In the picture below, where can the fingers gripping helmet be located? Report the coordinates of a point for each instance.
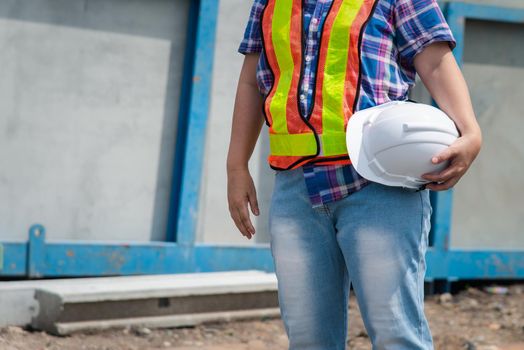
(393, 143)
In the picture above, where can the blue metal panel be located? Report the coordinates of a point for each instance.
(198, 115)
(457, 264)
(183, 112)
(14, 259)
(458, 12)
(486, 12)
(79, 258)
(36, 251)
(441, 219)
(88, 258)
(220, 258)
(456, 23)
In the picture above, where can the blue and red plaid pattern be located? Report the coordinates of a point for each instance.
(396, 32)
(330, 183)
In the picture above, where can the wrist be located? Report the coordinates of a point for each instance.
(474, 135)
(237, 167)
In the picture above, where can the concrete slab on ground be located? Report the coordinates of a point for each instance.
(20, 306)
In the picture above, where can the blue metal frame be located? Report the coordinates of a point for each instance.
(183, 112)
(180, 253)
(196, 131)
(458, 12)
(454, 264)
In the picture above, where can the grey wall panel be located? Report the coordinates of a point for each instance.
(215, 224)
(488, 210)
(88, 105)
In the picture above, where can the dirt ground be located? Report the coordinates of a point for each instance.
(480, 318)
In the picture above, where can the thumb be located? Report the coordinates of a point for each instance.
(446, 154)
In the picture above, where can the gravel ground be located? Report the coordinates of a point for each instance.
(473, 319)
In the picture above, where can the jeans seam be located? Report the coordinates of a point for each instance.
(419, 272)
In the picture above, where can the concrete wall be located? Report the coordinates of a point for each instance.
(488, 210)
(88, 104)
(215, 224)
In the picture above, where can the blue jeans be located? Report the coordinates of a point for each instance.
(375, 239)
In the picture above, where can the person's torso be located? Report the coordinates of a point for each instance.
(382, 76)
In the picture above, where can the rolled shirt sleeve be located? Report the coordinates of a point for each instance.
(419, 23)
(252, 41)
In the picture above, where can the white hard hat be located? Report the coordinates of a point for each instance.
(393, 143)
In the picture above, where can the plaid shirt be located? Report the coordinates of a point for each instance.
(397, 31)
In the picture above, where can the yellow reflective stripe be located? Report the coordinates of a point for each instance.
(281, 29)
(334, 143)
(333, 93)
(292, 144)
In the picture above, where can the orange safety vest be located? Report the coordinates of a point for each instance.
(295, 140)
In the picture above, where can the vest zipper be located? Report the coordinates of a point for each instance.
(311, 107)
(299, 89)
